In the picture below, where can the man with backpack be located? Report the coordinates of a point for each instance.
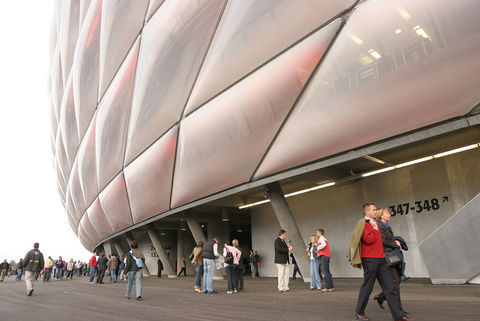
(134, 265)
(33, 264)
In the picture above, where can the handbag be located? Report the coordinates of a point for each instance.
(393, 258)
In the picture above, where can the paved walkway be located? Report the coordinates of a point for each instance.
(174, 299)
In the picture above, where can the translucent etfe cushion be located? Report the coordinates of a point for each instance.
(69, 29)
(174, 42)
(222, 142)
(115, 204)
(396, 66)
(149, 178)
(98, 219)
(85, 67)
(87, 166)
(90, 231)
(68, 123)
(112, 120)
(121, 24)
(252, 32)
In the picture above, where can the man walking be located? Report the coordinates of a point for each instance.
(20, 270)
(4, 266)
(209, 254)
(366, 242)
(101, 267)
(282, 261)
(33, 264)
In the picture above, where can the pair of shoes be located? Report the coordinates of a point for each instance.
(229, 292)
(361, 317)
(30, 292)
(92, 282)
(212, 292)
(280, 291)
(330, 290)
(198, 290)
(235, 291)
(127, 297)
(139, 298)
(289, 290)
(311, 289)
(379, 301)
(405, 319)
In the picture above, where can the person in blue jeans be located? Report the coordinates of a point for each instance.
(209, 253)
(314, 264)
(93, 267)
(19, 270)
(133, 266)
(59, 265)
(197, 262)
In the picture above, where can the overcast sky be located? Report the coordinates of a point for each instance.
(31, 210)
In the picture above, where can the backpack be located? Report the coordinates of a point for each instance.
(138, 261)
(228, 259)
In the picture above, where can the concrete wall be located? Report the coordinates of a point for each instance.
(336, 209)
(459, 237)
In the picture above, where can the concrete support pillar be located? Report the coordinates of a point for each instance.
(287, 223)
(108, 248)
(167, 267)
(196, 230)
(179, 250)
(118, 248)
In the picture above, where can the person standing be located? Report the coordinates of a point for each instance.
(33, 265)
(101, 267)
(239, 268)
(112, 267)
(209, 254)
(231, 261)
(366, 235)
(197, 262)
(160, 268)
(184, 267)
(256, 258)
(323, 248)
(390, 247)
(70, 268)
(281, 261)
(122, 267)
(93, 267)
(4, 266)
(314, 264)
(47, 269)
(295, 268)
(20, 270)
(133, 266)
(59, 265)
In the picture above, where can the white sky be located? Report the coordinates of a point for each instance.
(31, 209)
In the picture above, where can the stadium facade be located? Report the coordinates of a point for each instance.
(176, 121)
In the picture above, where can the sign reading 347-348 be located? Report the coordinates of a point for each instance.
(427, 205)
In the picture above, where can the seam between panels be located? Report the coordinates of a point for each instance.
(207, 49)
(281, 52)
(96, 108)
(153, 13)
(300, 94)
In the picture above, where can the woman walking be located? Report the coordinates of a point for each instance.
(197, 262)
(135, 262)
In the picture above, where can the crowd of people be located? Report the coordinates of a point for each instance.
(373, 247)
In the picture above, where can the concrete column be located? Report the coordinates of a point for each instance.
(119, 249)
(179, 250)
(287, 222)
(167, 267)
(108, 248)
(196, 230)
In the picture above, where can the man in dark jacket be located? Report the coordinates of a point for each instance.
(101, 267)
(281, 261)
(160, 268)
(33, 264)
(4, 266)
(19, 269)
